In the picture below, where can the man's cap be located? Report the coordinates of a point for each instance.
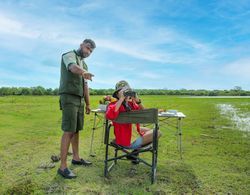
(90, 42)
(119, 85)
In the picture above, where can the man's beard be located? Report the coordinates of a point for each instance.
(84, 54)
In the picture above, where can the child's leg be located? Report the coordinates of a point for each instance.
(145, 129)
(148, 136)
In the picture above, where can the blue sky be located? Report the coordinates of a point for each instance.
(168, 44)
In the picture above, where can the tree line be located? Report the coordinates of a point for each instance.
(39, 90)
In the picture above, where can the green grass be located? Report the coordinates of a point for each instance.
(215, 159)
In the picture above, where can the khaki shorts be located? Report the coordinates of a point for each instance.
(72, 107)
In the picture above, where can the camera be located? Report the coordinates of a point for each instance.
(129, 93)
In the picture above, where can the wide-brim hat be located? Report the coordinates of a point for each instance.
(119, 85)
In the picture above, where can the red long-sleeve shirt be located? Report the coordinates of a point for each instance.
(123, 132)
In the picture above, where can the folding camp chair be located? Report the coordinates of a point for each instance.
(145, 116)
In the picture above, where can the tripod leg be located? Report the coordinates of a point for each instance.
(92, 137)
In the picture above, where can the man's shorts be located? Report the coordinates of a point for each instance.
(72, 107)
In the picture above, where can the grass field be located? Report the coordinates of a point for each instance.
(216, 156)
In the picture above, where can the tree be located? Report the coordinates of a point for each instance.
(237, 88)
(26, 91)
(39, 90)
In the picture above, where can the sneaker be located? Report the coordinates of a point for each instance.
(135, 162)
(66, 173)
(133, 159)
(81, 162)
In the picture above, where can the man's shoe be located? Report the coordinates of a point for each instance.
(81, 162)
(66, 173)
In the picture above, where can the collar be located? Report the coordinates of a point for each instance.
(78, 53)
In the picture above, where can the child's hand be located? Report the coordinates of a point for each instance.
(121, 93)
(136, 99)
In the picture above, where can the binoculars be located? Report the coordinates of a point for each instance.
(129, 93)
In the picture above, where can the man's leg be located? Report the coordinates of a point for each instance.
(69, 118)
(75, 146)
(75, 140)
(63, 170)
(65, 142)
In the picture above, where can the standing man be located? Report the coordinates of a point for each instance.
(73, 92)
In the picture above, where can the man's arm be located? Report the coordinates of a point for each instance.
(69, 60)
(80, 71)
(86, 97)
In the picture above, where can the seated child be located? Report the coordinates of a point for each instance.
(123, 132)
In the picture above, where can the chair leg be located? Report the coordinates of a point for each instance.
(154, 155)
(116, 151)
(106, 162)
(153, 170)
(106, 141)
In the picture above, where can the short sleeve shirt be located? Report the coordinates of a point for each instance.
(71, 58)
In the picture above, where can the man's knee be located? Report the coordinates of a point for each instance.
(68, 134)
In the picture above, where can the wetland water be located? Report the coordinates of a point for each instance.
(240, 120)
(216, 97)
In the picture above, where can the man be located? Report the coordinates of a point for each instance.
(123, 132)
(73, 92)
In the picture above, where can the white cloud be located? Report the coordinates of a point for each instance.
(239, 68)
(14, 27)
(137, 48)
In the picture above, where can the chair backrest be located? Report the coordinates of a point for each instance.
(149, 115)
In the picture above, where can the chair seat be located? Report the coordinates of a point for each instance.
(143, 147)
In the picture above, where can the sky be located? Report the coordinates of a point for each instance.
(156, 44)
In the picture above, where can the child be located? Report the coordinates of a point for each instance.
(123, 132)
